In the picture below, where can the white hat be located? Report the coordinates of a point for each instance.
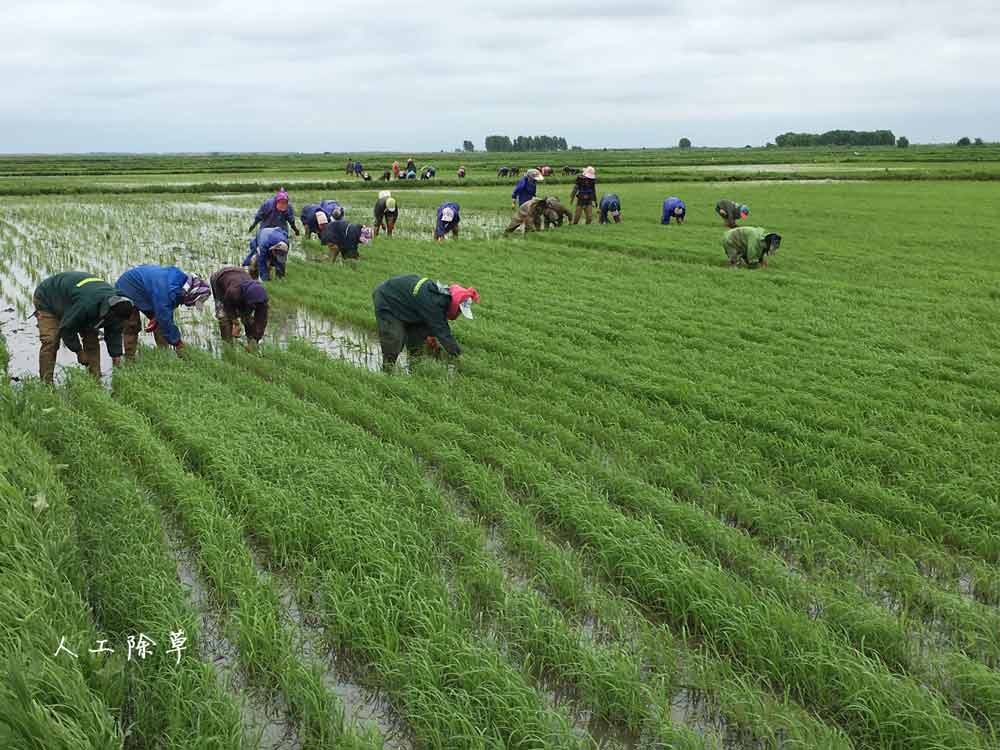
(321, 219)
(280, 247)
(466, 307)
(590, 172)
(535, 175)
(447, 214)
(384, 194)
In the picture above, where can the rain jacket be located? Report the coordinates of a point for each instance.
(746, 243)
(668, 209)
(412, 299)
(344, 235)
(156, 291)
(261, 247)
(308, 215)
(442, 227)
(80, 301)
(555, 212)
(268, 215)
(229, 289)
(609, 203)
(524, 190)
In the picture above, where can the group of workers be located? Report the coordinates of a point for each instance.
(411, 312)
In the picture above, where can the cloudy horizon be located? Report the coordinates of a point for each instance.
(180, 75)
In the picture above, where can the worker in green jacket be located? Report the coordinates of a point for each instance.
(74, 305)
(413, 312)
(750, 246)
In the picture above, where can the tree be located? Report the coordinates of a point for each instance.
(468, 146)
(964, 141)
(838, 138)
(978, 142)
(903, 142)
(499, 143)
(684, 143)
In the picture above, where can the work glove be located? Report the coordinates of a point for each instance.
(178, 347)
(236, 330)
(152, 325)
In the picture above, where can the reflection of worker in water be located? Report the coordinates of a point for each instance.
(72, 306)
(414, 312)
(239, 298)
(156, 292)
(750, 246)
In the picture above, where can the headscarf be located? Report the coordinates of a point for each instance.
(461, 301)
(321, 219)
(281, 195)
(279, 247)
(390, 205)
(534, 174)
(366, 235)
(590, 173)
(195, 292)
(254, 293)
(447, 214)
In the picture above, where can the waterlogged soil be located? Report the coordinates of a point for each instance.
(265, 717)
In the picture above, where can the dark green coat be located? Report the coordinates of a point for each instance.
(80, 301)
(414, 299)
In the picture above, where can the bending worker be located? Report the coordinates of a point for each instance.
(410, 311)
(315, 216)
(275, 212)
(525, 188)
(74, 305)
(239, 298)
(555, 212)
(584, 192)
(447, 221)
(529, 215)
(750, 246)
(386, 213)
(269, 249)
(673, 208)
(731, 212)
(610, 204)
(342, 239)
(156, 291)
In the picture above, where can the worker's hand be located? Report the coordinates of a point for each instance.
(178, 347)
(152, 325)
(82, 358)
(236, 330)
(297, 233)
(116, 361)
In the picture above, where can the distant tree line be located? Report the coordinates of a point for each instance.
(526, 143)
(838, 138)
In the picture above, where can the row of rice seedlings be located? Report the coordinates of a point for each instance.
(336, 305)
(267, 654)
(47, 698)
(384, 599)
(651, 566)
(131, 582)
(554, 567)
(607, 682)
(880, 635)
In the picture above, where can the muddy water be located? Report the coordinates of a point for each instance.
(265, 717)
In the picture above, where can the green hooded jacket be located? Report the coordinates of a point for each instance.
(746, 243)
(81, 302)
(412, 299)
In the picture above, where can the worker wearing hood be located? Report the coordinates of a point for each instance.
(673, 208)
(386, 212)
(275, 212)
(156, 292)
(268, 250)
(525, 188)
(411, 310)
(238, 298)
(74, 305)
(750, 246)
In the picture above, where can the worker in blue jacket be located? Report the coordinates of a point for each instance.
(673, 207)
(156, 292)
(269, 249)
(275, 212)
(315, 216)
(610, 204)
(525, 188)
(447, 221)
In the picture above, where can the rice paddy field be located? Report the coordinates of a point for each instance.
(657, 503)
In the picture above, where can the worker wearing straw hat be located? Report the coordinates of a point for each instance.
(525, 188)
(584, 192)
(386, 212)
(156, 292)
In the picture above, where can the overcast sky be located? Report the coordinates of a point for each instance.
(242, 75)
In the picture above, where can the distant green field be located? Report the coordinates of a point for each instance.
(658, 502)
